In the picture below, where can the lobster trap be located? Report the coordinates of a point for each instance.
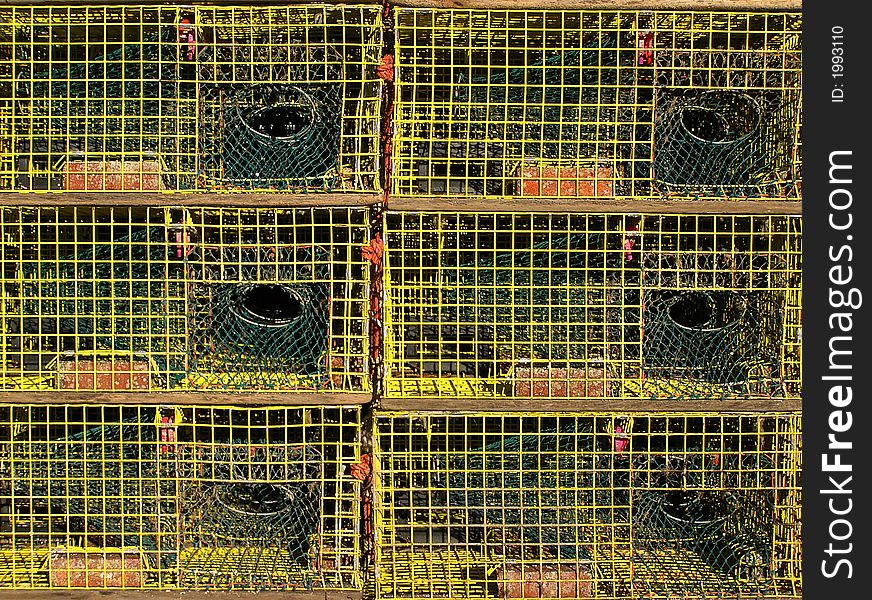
(172, 298)
(592, 305)
(596, 104)
(179, 497)
(609, 506)
(209, 98)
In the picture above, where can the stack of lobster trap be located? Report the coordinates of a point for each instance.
(401, 301)
(186, 374)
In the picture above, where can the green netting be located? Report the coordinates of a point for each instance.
(123, 485)
(570, 300)
(254, 497)
(556, 493)
(728, 340)
(260, 335)
(711, 142)
(284, 134)
(729, 529)
(272, 135)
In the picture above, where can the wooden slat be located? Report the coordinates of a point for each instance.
(186, 398)
(110, 594)
(412, 204)
(163, 199)
(452, 405)
(753, 5)
(716, 207)
(170, 2)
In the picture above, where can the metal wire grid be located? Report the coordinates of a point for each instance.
(592, 306)
(131, 299)
(209, 98)
(167, 497)
(712, 61)
(584, 505)
(596, 104)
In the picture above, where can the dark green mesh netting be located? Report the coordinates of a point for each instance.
(563, 301)
(271, 114)
(272, 135)
(729, 529)
(710, 142)
(253, 497)
(725, 338)
(120, 485)
(270, 334)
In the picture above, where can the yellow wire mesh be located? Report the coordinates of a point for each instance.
(209, 98)
(185, 496)
(131, 299)
(587, 505)
(592, 305)
(549, 103)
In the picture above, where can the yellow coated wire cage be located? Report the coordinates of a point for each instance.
(601, 104)
(184, 496)
(587, 505)
(132, 298)
(208, 98)
(592, 305)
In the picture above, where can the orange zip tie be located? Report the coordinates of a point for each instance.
(362, 470)
(373, 253)
(386, 69)
(374, 250)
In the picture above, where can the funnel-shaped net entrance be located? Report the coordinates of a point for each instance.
(252, 501)
(642, 506)
(727, 339)
(712, 140)
(147, 98)
(282, 136)
(269, 330)
(239, 514)
(685, 507)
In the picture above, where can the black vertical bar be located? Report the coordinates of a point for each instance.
(836, 259)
